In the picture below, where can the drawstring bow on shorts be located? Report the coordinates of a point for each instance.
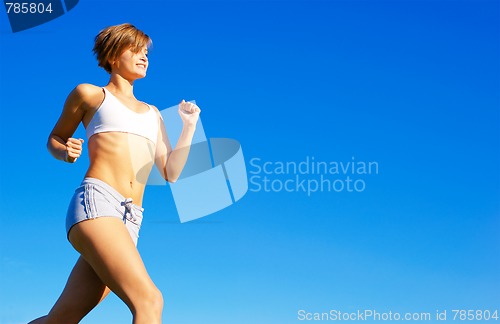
(129, 206)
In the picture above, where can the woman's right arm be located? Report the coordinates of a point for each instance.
(60, 143)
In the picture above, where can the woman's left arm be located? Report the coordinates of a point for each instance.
(171, 162)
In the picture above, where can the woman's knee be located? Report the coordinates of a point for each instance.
(150, 302)
(158, 301)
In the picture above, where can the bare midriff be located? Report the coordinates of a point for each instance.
(123, 161)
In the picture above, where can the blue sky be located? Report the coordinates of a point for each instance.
(412, 85)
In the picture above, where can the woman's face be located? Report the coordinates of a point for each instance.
(131, 65)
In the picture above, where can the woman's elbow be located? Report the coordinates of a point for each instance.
(171, 179)
(50, 144)
(168, 176)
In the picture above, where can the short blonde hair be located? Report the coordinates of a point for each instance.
(112, 41)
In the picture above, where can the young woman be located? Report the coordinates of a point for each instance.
(126, 137)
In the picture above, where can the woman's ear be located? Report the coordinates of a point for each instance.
(111, 61)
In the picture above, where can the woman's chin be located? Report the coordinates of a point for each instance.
(136, 76)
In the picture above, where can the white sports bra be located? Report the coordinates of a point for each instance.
(113, 116)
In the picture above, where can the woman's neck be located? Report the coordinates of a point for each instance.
(119, 85)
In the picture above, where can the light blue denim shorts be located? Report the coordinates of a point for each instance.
(95, 198)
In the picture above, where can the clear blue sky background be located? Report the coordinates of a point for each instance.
(413, 85)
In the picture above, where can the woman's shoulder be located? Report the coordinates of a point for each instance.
(156, 110)
(87, 93)
(87, 90)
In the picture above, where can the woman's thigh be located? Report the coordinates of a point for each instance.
(106, 245)
(83, 291)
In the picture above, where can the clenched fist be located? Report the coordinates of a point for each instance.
(189, 112)
(73, 149)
